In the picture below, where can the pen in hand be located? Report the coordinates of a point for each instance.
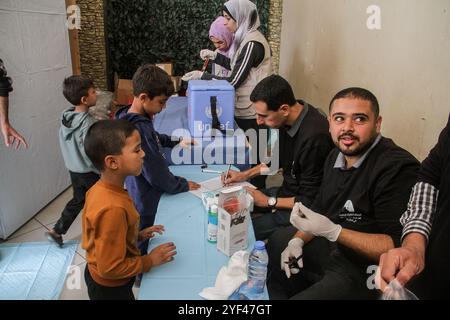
(226, 174)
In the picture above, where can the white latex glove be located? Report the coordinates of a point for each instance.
(309, 221)
(193, 75)
(208, 54)
(294, 250)
(186, 143)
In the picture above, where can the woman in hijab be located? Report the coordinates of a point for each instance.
(249, 59)
(222, 39)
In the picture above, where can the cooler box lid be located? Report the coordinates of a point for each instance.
(209, 85)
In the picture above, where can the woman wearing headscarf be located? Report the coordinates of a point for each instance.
(249, 59)
(222, 38)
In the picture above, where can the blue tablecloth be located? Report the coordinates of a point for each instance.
(197, 261)
(173, 121)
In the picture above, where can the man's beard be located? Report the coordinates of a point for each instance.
(361, 149)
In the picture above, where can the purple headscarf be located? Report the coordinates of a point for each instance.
(219, 31)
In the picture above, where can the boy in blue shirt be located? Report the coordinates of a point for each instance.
(152, 87)
(76, 121)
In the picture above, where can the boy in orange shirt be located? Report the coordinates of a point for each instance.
(110, 221)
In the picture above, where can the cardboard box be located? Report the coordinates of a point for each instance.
(167, 67)
(176, 83)
(124, 92)
(233, 215)
(232, 233)
(201, 95)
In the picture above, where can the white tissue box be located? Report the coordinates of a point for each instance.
(232, 233)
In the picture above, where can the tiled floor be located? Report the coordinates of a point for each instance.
(34, 231)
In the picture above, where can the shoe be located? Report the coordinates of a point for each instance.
(54, 237)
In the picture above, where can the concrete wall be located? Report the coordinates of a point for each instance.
(327, 46)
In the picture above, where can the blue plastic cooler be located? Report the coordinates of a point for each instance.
(210, 106)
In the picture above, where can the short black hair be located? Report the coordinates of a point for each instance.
(358, 93)
(153, 81)
(76, 87)
(106, 137)
(274, 91)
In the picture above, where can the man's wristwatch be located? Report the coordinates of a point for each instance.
(272, 202)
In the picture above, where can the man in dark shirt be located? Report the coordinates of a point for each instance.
(304, 143)
(425, 250)
(355, 216)
(10, 135)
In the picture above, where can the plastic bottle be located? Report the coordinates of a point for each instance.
(253, 288)
(212, 223)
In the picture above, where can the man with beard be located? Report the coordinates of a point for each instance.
(355, 216)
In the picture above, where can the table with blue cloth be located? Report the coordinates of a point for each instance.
(173, 121)
(197, 261)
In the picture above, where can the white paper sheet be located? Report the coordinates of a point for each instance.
(216, 184)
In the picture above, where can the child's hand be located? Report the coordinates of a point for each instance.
(193, 185)
(186, 143)
(162, 254)
(147, 233)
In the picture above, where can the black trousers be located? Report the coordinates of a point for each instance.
(81, 183)
(326, 273)
(246, 124)
(315, 256)
(265, 222)
(99, 292)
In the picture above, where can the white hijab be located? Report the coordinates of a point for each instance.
(242, 12)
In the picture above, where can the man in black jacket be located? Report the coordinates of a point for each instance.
(425, 250)
(303, 143)
(355, 216)
(10, 135)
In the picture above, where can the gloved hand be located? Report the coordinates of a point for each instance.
(291, 257)
(193, 75)
(187, 143)
(208, 54)
(309, 221)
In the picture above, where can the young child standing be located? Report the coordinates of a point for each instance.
(110, 220)
(76, 120)
(152, 87)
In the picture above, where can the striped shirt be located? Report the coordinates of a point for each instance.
(250, 57)
(418, 216)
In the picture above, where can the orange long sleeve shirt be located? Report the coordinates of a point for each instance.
(110, 225)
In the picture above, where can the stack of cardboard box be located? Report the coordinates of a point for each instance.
(123, 94)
